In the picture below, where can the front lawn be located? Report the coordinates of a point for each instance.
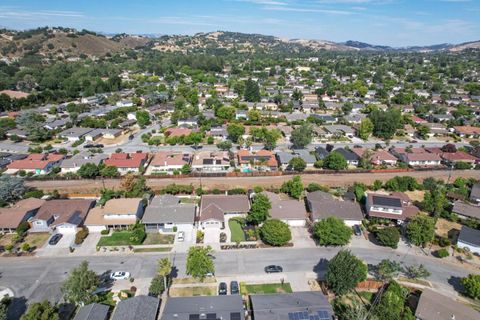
(140, 250)
(36, 240)
(118, 238)
(236, 230)
(193, 291)
(6, 239)
(158, 238)
(265, 288)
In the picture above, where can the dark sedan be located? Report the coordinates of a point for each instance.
(54, 239)
(234, 287)
(273, 269)
(222, 289)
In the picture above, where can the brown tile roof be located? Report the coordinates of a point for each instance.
(125, 160)
(161, 159)
(177, 132)
(459, 156)
(67, 211)
(286, 209)
(35, 161)
(323, 205)
(215, 206)
(467, 130)
(15, 94)
(120, 207)
(422, 157)
(13, 216)
(244, 156)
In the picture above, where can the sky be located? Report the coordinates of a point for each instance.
(385, 22)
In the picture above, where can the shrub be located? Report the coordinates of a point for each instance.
(175, 228)
(81, 235)
(23, 227)
(442, 253)
(9, 247)
(332, 232)
(444, 242)
(138, 235)
(388, 237)
(472, 285)
(26, 247)
(275, 232)
(105, 232)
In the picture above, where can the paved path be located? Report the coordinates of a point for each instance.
(333, 180)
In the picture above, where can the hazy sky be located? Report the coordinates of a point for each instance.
(389, 22)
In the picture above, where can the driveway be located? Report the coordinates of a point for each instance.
(60, 249)
(301, 238)
(190, 240)
(89, 245)
(212, 235)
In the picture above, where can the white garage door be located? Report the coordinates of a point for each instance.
(96, 228)
(295, 223)
(184, 227)
(212, 224)
(66, 229)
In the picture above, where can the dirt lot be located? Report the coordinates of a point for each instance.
(332, 180)
(416, 195)
(444, 227)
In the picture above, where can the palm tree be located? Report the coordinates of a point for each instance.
(164, 269)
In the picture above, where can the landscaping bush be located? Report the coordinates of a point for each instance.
(442, 253)
(332, 232)
(275, 232)
(388, 237)
(105, 232)
(23, 227)
(25, 247)
(81, 235)
(444, 242)
(138, 235)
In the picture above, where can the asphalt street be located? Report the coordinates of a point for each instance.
(37, 279)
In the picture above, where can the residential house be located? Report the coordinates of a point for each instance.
(435, 128)
(440, 117)
(168, 162)
(355, 118)
(469, 239)
(418, 120)
(321, 153)
(7, 158)
(103, 133)
(177, 132)
(23, 210)
(395, 206)
(125, 103)
(459, 156)
(241, 114)
(227, 307)
(93, 311)
(56, 124)
(326, 118)
(285, 157)
(214, 207)
(262, 160)
(475, 194)
(115, 214)
(435, 306)
(322, 205)
(465, 210)
(301, 305)
(421, 159)
(351, 157)
(166, 212)
(467, 131)
(74, 134)
(137, 308)
(188, 122)
(219, 132)
(73, 164)
(339, 130)
(211, 161)
(127, 162)
(290, 211)
(63, 216)
(377, 157)
(38, 163)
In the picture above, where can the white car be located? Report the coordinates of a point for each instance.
(181, 236)
(120, 275)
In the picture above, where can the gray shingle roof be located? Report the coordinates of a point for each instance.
(137, 308)
(469, 236)
(465, 209)
(323, 205)
(93, 311)
(168, 209)
(180, 308)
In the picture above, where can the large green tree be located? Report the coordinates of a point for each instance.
(199, 262)
(12, 188)
(335, 161)
(471, 284)
(293, 187)
(388, 237)
(365, 129)
(41, 311)
(88, 171)
(297, 164)
(80, 285)
(275, 232)
(344, 272)
(301, 136)
(332, 232)
(252, 91)
(259, 210)
(421, 230)
(386, 123)
(235, 131)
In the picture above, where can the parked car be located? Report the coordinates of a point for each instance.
(273, 269)
(119, 275)
(99, 145)
(222, 289)
(130, 137)
(234, 289)
(357, 230)
(181, 236)
(55, 238)
(88, 146)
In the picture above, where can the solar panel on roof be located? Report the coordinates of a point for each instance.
(235, 316)
(194, 317)
(291, 316)
(211, 316)
(323, 315)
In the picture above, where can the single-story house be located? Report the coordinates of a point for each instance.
(23, 210)
(210, 161)
(104, 133)
(475, 193)
(465, 210)
(351, 157)
(262, 160)
(395, 206)
(137, 308)
(377, 157)
(228, 307)
(467, 131)
(74, 163)
(38, 163)
(302, 305)
(166, 212)
(75, 133)
(421, 159)
(322, 205)
(214, 207)
(321, 153)
(469, 238)
(63, 216)
(291, 211)
(177, 132)
(55, 124)
(339, 130)
(115, 214)
(127, 162)
(435, 306)
(168, 162)
(459, 156)
(93, 311)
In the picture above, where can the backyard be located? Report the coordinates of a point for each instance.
(265, 288)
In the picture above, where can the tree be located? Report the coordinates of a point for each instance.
(164, 269)
(199, 262)
(392, 303)
(388, 237)
(41, 311)
(157, 286)
(259, 210)
(388, 269)
(293, 187)
(235, 131)
(12, 189)
(421, 230)
(471, 284)
(423, 131)
(332, 232)
(32, 122)
(301, 136)
(435, 201)
(109, 171)
(80, 285)
(386, 123)
(252, 91)
(186, 169)
(365, 129)
(143, 118)
(133, 186)
(275, 232)
(226, 113)
(417, 271)
(344, 272)
(335, 161)
(224, 145)
(88, 171)
(297, 164)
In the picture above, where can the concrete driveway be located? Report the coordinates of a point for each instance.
(212, 235)
(301, 238)
(190, 240)
(89, 245)
(60, 249)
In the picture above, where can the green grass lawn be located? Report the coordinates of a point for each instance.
(158, 238)
(118, 238)
(265, 288)
(236, 230)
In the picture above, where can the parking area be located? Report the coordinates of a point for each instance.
(301, 238)
(190, 239)
(212, 235)
(59, 249)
